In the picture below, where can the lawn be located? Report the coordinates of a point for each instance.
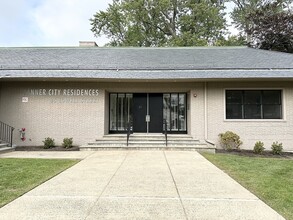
(17, 176)
(270, 179)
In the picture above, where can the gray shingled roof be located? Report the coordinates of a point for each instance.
(144, 63)
(152, 75)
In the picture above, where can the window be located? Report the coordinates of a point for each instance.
(174, 111)
(253, 104)
(120, 111)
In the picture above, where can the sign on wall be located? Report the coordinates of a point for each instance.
(24, 99)
(64, 92)
(69, 95)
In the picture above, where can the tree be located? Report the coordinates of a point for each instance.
(271, 28)
(160, 22)
(232, 40)
(266, 23)
(244, 7)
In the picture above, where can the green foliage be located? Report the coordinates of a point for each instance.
(267, 23)
(233, 40)
(271, 29)
(229, 140)
(49, 143)
(160, 23)
(270, 179)
(277, 148)
(245, 7)
(242, 9)
(67, 142)
(258, 147)
(19, 176)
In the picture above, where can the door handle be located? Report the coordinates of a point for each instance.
(147, 118)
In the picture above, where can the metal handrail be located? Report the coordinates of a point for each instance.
(165, 131)
(6, 133)
(128, 131)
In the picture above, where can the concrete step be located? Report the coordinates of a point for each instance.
(202, 147)
(4, 148)
(147, 142)
(3, 144)
(142, 138)
(144, 142)
(147, 136)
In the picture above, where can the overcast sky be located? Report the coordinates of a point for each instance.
(48, 22)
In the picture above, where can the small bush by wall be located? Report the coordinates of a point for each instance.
(49, 143)
(67, 142)
(258, 147)
(277, 148)
(229, 140)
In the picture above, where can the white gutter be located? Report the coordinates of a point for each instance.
(205, 112)
(206, 116)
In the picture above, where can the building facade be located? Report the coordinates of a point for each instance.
(86, 93)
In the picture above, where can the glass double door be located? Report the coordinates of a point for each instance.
(147, 111)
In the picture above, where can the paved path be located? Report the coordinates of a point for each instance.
(48, 154)
(140, 185)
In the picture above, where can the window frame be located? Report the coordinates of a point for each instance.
(117, 130)
(177, 131)
(283, 105)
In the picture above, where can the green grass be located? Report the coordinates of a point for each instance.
(18, 176)
(270, 179)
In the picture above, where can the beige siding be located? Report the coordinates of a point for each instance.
(43, 117)
(196, 118)
(251, 131)
(49, 116)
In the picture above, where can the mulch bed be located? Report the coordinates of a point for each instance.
(41, 148)
(250, 153)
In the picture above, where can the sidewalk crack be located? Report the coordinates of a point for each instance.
(175, 186)
(91, 209)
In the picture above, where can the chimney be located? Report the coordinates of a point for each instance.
(87, 44)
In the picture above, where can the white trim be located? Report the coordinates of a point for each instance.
(254, 120)
(205, 112)
(284, 105)
(257, 120)
(148, 112)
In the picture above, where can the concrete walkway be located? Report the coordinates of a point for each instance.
(48, 154)
(140, 185)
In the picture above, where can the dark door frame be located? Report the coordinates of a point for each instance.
(155, 113)
(147, 112)
(139, 112)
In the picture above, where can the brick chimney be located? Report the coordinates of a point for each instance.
(87, 44)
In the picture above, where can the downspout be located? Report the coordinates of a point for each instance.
(206, 116)
(205, 112)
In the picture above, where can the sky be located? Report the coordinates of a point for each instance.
(26, 23)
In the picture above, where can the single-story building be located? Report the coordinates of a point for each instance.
(90, 92)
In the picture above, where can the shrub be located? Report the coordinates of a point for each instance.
(67, 142)
(230, 140)
(258, 147)
(277, 148)
(49, 143)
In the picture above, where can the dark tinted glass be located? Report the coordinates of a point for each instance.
(254, 104)
(252, 97)
(272, 112)
(233, 111)
(182, 112)
(271, 97)
(252, 111)
(233, 97)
